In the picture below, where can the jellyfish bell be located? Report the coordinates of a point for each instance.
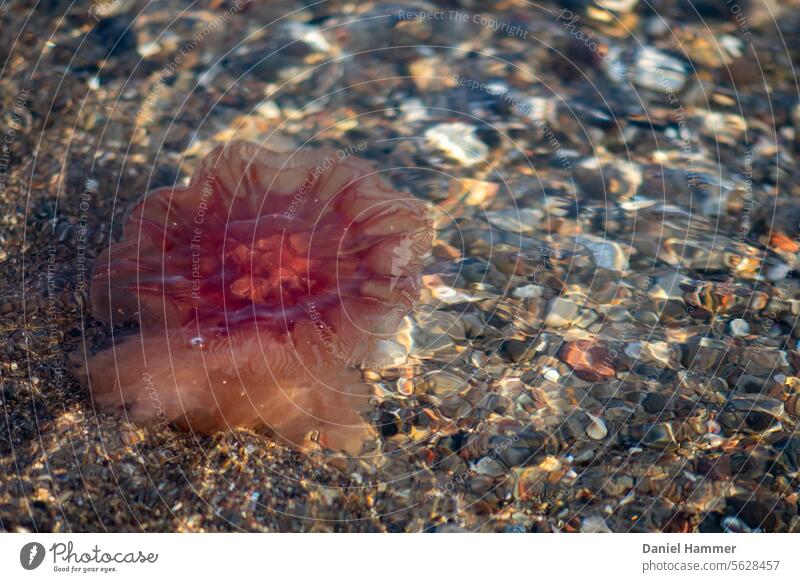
(256, 291)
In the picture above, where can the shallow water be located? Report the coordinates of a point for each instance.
(605, 337)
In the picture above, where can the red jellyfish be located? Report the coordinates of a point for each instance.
(258, 290)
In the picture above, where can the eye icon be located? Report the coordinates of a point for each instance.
(31, 555)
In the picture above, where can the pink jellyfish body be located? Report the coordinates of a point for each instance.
(258, 289)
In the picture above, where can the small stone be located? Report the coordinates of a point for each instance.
(551, 374)
(659, 436)
(778, 272)
(790, 454)
(589, 361)
(405, 386)
(738, 327)
(446, 251)
(458, 140)
(594, 524)
(519, 351)
(792, 405)
(429, 74)
(658, 71)
(448, 295)
(602, 180)
(561, 312)
(608, 255)
(516, 220)
(667, 286)
(489, 466)
(618, 5)
(528, 291)
(474, 192)
(550, 464)
(516, 456)
(656, 403)
(454, 406)
(757, 403)
(481, 484)
(269, 110)
(733, 524)
(530, 483)
(659, 351)
(444, 383)
(597, 430)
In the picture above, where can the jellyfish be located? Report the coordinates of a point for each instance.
(253, 295)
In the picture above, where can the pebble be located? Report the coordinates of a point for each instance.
(551, 374)
(528, 291)
(594, 524)
(516, 456)
(443, 383)
(650, 352)
(659, 436)
(518, 350)
(597, 430)
(516, 220)
(476, 192)
(608, 255)
(604, 180)
(792, 405)
(588, 360)
(458, 140)
(490, 467)
(561, 312)
(656, 70)
(448, 295)
(738, 327)
(655, 403)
